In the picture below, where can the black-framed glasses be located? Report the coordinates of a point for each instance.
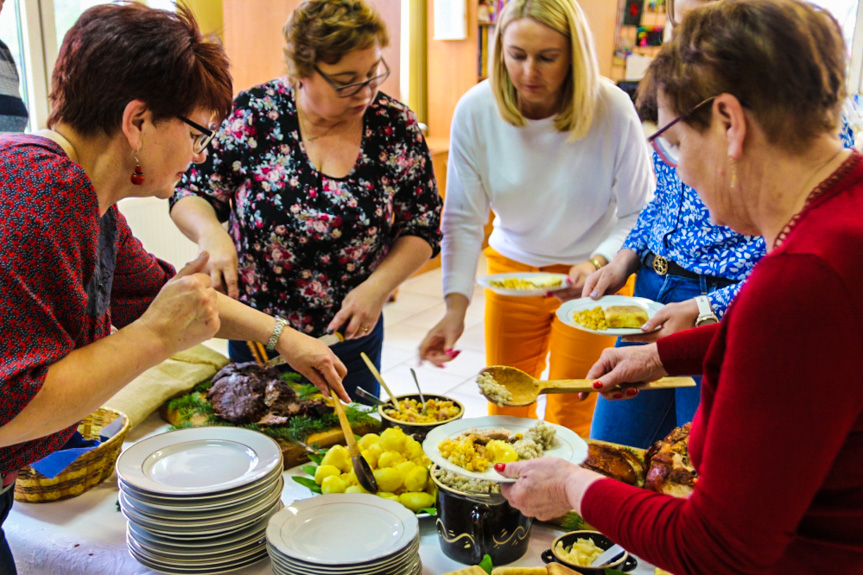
(670, 153)
(199, 144)
(348, 90)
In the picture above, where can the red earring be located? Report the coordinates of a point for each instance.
(137, 175)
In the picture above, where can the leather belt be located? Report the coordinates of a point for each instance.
(664, 266)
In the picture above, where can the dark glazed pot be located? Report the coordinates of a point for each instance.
(470, 525)
(625, 562)
(418, 430)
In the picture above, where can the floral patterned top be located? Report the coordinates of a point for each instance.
(676, 224)
(305, 239)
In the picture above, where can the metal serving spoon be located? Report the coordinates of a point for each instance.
(416, 381)
(525, 388)
(370, 396)
(361, 466)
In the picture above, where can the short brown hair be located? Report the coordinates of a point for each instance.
(116, 53)
(581, 89)
(783, 59)
(326, 30)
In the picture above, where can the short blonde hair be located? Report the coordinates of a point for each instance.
(581, 88)
(326, 30)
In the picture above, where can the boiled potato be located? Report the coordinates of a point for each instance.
(356, 489)
(390, 459)
(416, 478)
(393, 439)
(413, 448)
(501, 451)
(367, 440)
(333, 484)
(416, 500)
(372, 453)
(339, 456)
(388, 478)
(388, 495)
(350, 477)
(324, 471)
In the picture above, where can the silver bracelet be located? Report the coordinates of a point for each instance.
(277, 331)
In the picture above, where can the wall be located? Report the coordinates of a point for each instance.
(253, 40)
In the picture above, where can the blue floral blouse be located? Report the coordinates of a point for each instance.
(304, 239)
(675, 224)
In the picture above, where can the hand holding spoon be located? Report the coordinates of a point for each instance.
(526, 388)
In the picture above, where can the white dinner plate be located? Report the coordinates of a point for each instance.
(540, 277)
(386, 566)
(366, 527)
(567, 309)
(567, 444)
(198, 460)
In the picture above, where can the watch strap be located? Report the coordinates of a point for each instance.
(277, 331)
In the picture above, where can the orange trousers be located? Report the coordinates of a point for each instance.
(523, 331)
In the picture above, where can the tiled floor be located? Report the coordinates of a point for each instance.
(417, 308)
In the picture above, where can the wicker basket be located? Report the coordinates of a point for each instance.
(84, 473)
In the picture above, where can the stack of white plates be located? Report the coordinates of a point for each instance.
(346, 533)
(198, 500)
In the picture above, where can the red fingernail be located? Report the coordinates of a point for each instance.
(448, 351)
(455, 353)
(631, 392)
(617, 396)
(597, 384)
(499, 467)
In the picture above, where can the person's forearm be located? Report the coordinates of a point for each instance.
(628, 259)
(406, 256)
(195, 217)
(78, 384)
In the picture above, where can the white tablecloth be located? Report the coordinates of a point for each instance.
(85, 535)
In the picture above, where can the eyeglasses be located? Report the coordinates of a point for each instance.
(348, 90)
(670, 153)
(199, 144)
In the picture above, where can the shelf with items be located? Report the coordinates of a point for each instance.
(640, 31)
(488, 12)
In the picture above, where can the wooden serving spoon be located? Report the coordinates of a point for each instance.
(525, 388)
(361, 466)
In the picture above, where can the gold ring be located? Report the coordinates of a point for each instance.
(365, 329)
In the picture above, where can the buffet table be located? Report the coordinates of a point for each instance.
(85, 535)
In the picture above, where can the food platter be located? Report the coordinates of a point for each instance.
(567, 309)
(567, 444)
(540, 278)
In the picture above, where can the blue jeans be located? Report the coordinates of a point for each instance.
(651, 415)
(348, 351)
(7, 563)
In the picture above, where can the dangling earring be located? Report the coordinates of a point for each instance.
(137, 177)
(733, 178)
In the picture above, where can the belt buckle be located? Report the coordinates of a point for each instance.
(660, 265)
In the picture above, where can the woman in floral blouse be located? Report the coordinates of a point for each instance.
(326, 185)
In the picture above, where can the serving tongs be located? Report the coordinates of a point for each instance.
(370, 396)
(525, 388)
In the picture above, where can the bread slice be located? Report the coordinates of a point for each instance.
(618, 316)
(472, 570)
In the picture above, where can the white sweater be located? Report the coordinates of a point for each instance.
(555, 202)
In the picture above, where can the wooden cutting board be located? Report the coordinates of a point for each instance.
(293, 454)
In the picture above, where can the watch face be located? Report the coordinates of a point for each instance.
(706, 321)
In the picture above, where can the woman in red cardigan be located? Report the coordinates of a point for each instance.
(749, 94)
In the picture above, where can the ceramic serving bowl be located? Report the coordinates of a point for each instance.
(471, 525)
(625, 562)
(417, 430)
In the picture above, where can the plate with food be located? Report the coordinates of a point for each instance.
(524, 283)
(471, 447)
(608, 315)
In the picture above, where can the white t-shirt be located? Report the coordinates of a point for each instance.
(555, 202)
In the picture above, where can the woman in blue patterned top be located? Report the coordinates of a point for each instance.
(326, 185)
(685, 261)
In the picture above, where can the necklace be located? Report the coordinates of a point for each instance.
(306, 134)
(825, 185)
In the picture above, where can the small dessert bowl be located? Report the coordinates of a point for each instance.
(625, 562)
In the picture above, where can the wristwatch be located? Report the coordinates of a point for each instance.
(705, 312)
